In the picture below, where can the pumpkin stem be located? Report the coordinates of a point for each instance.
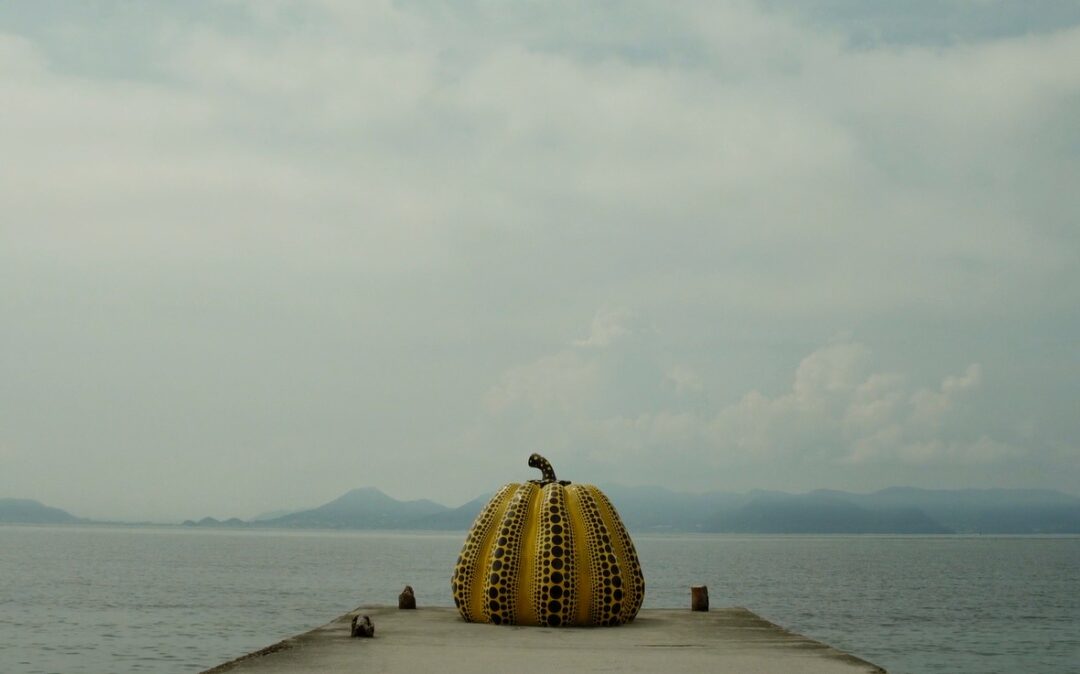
(537, 461)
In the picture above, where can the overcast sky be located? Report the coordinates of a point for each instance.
(254, 254)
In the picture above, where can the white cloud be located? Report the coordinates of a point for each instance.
(564, 382)
(685, 380)
(932, 407)
(608, 326)
(838, 411)
(836, 369)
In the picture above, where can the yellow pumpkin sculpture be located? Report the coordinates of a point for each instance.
(551, 553)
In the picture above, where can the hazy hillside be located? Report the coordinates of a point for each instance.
(454, 519)
(894, 510)
(27, 511)
(212, 522)
(817, 513)
(272, 515)
(987, 511)
(899, 510)
(660, 509)
(366, 508)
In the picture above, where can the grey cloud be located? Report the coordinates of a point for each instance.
(333, 240)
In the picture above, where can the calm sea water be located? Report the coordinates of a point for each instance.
(97, 599)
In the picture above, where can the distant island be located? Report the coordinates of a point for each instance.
(27, 511)
(896, 510)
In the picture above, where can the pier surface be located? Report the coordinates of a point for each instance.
(659, 640)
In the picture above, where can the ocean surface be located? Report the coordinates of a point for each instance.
(136, 599)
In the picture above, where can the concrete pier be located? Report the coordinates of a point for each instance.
(660, 640)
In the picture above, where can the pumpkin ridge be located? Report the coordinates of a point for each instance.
(632, 582)
(553, 591)
(501, 581)
(524, 580)
(597, 537)
(473, 559)
(582, 577)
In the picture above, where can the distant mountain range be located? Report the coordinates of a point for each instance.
(26, 511)
(896, 510)
(366, 508)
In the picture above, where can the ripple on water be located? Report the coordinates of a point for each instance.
(170, 600)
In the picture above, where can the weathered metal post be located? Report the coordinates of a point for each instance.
(362, 626)
(407, 599)
(699, 598)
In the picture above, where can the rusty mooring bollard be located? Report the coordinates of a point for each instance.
(699, 597)
(407, 599)
(362, 626)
